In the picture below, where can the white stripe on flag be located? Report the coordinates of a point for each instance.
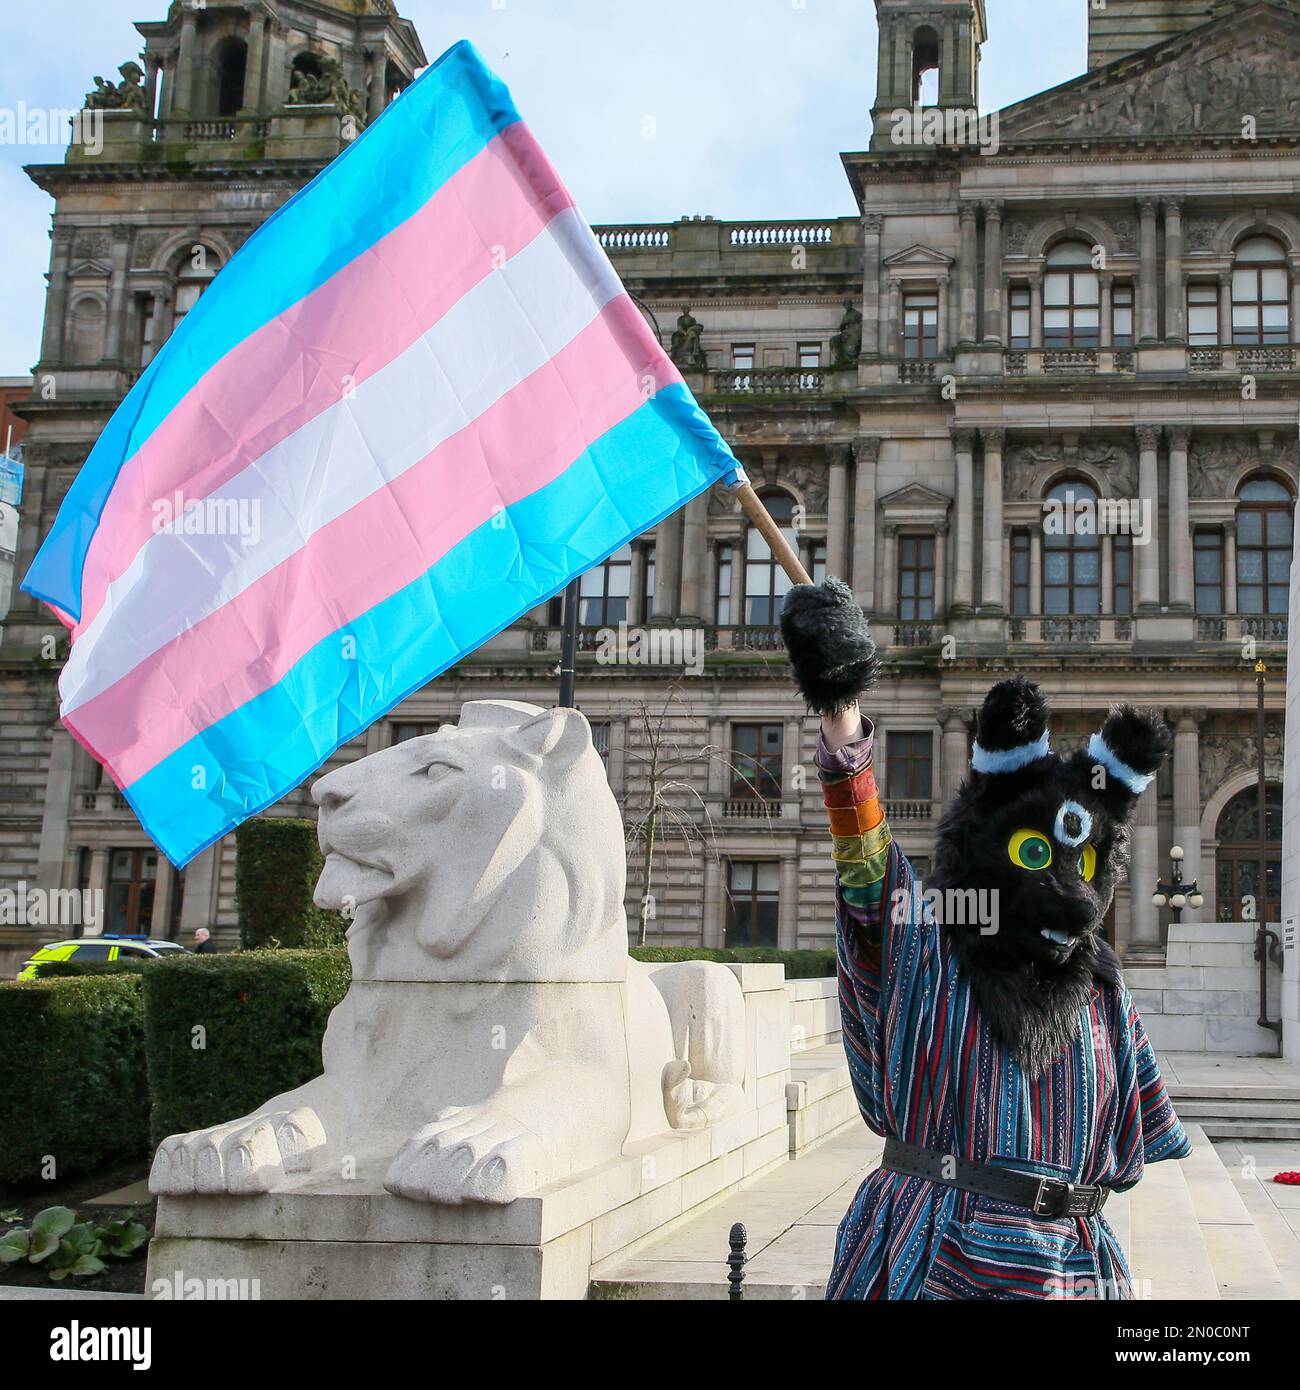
(506, 327)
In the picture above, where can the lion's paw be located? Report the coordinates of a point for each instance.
(468, 1154)
(248, 1156)
(691, 1104)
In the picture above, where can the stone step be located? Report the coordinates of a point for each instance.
(1157, 1226)
(1251, 1129)
(1194, 1091)
(1223, 1108)
(1240, 1258)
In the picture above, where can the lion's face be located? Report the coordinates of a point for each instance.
(491, 842)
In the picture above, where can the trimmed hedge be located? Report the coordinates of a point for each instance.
(262, 1016)
(799, 965)
(61, 969)
(72, 1074)
(277, 863)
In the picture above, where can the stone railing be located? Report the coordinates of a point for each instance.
(916, 369)
(782, 234)
(1265, 359)
(914, 634)
(756, 809)
(213, 130)
(635, 238)
(764, 638)
(1204, 360)
(1233, 627)
(1071, 629)
(897, 812)
(1070, 360)
(106, 801)
(768, 381)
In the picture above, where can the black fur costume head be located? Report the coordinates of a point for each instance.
(1047, 838)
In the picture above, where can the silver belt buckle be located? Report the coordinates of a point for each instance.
(1039, 1207)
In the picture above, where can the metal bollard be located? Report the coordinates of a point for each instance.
(736, 1262)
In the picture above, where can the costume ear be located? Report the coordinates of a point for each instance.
(559, 733)
(1011, 730)
(1125, 755)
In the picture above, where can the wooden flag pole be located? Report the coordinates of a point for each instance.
(782, 550)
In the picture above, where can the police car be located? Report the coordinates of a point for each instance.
(98, 949)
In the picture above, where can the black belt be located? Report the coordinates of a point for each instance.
(1050, 1197)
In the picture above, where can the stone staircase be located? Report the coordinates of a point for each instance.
(1192, 1232)
(1239, 1112)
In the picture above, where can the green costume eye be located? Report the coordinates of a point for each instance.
(1030, 849)
(1087, 863)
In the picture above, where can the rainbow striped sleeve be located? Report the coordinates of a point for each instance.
(860, 835)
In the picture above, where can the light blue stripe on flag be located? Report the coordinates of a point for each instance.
(659, 457)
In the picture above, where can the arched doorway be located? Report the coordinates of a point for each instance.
(1236, 861)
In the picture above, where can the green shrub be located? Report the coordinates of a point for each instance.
(72, 1074)
(799, 965)
(277, 863)
(225, 1033)
(63, 969)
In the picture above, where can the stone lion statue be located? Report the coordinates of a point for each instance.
(496, 1037)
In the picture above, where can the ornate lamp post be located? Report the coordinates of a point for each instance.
(1177, 893)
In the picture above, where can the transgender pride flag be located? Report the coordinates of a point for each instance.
(417, 403)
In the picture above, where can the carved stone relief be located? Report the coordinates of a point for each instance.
(1226, 755)
(1028, 466)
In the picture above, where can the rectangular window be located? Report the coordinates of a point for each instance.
(742, 363)
(915, 578)
(920, 324)
(1019, 317)
(132, 876)
(1122, 559)
(402, 732)
(1207, 570)
(1121, 316)
(819, 562)
(600, 738)
(725, 568)
(1020, 572)
(753, 903)
(1202, 315)
(756, 755)
(909, 766)
(810, 356)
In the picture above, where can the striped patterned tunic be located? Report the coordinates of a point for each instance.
(926, 1069)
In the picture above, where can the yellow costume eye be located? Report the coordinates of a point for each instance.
(1087, 863)
(1030, 849)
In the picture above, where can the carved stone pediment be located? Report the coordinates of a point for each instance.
(913, 496)
(918, 260)
(90, 270)
(1199, 83)
(1031, 464)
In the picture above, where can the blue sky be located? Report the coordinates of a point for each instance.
(749, 102)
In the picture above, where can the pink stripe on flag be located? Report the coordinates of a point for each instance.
(530, 436)
(301, 363)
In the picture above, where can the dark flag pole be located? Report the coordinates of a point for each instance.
(569, 646)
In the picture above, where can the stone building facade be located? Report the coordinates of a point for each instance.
(1035, 401)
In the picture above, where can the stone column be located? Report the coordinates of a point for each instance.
(254, 69)
(375, 94)
(183, 94)
(164, 890)
(636, 584)
(893, 346)
(1107, 310)
(277, 65)
(1180, 535)
(1187, 797)
(1146, 558)
(837, 497)
(153, 70)
(199, 907)
(712, 928)
(953, 752)
(1036, 570)
(941, 334)
(991, 586)
(788, 910)
(1144, 928)
(1225, 309)
(99, 884)
(871, 226)
(887, 599)
(56, 302)
(940, 569)
(668, 566)
(52, 851)
(710, 582)
(963, 584)
(1148, 290)
(695, 523)
(966, 275)
(866, 453)
(1107, 573)
(1175, 297)
(115, 336)
(993, 273)
(1036, 312)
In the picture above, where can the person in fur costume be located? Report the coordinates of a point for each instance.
(990, 1037)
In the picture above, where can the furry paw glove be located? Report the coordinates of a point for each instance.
(829, 643)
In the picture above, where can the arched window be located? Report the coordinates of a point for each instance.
(1071, 550)
(925, 66)
(604, 591)
(231, 65)
(195, 271)
(305, 74)
(1236, 861)
(1261, 290)
(1071, 298)
(1264, 530)
(766, 583)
